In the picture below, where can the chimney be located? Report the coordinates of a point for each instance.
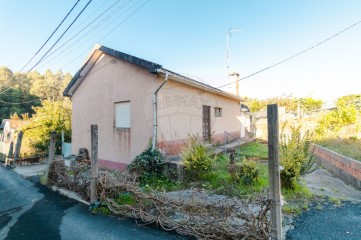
(234, 87)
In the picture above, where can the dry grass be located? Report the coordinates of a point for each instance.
(349, 147)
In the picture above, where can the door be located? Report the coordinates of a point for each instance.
(206, 123)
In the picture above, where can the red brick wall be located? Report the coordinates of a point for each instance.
(347, 169)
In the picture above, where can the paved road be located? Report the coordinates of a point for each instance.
(331, 223)
(31, 211)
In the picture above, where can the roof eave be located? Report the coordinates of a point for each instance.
(185, 80)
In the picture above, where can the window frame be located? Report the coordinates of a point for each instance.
(218, 112)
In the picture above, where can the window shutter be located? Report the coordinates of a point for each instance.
(122, 115)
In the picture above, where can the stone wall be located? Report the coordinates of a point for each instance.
(347, 169)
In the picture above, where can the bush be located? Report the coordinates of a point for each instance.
(196, 158)
(246, 172)
(295, 156)
(148, 163)
(249, 172)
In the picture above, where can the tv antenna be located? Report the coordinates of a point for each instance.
(229, 34)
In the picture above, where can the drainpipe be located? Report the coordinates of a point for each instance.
(155, 111)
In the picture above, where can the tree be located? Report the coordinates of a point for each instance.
(290, 103)
(51, 116)
(346, 113)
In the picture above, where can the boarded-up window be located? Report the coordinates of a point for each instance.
(122, 115)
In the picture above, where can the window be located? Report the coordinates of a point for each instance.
(122, 115)
(218, 112)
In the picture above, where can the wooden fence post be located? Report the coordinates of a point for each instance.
(94, 163)
(18, 147)
(274, 172)
(51, 154)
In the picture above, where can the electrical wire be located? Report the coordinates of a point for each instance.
(90, 31)
(66, 16)
(89, 24)
(113, 29)
(60, 36)
(295, 55)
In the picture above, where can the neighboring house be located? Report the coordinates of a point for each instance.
(135, 103)
(5, 130)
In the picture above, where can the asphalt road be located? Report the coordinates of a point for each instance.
(29, 211)
(330, 223)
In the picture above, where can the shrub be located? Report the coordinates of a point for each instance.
(249, 172)
(295, 156)
(148, 163)
(196, 158)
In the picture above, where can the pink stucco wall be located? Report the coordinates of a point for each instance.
(179, 112)
(93, 103)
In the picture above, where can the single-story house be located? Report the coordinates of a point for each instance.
(136, 102)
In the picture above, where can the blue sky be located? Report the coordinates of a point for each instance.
(189, 37)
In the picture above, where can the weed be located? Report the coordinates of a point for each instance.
(126, 198)
(319, 206)
(160, 183)
(101, 208)
(335, 201)
(43, 177)
(298, 199)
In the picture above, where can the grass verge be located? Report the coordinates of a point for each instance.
(253, 150)
(349, 147)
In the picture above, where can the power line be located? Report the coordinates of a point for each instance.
(136, 10)
(85, 34)
(87, 50)
(18, 103)
(41, 46)
(295, 55)
(93, 35)
(66, 16)
(61, 35)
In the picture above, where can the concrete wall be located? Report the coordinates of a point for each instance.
(347, 169)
